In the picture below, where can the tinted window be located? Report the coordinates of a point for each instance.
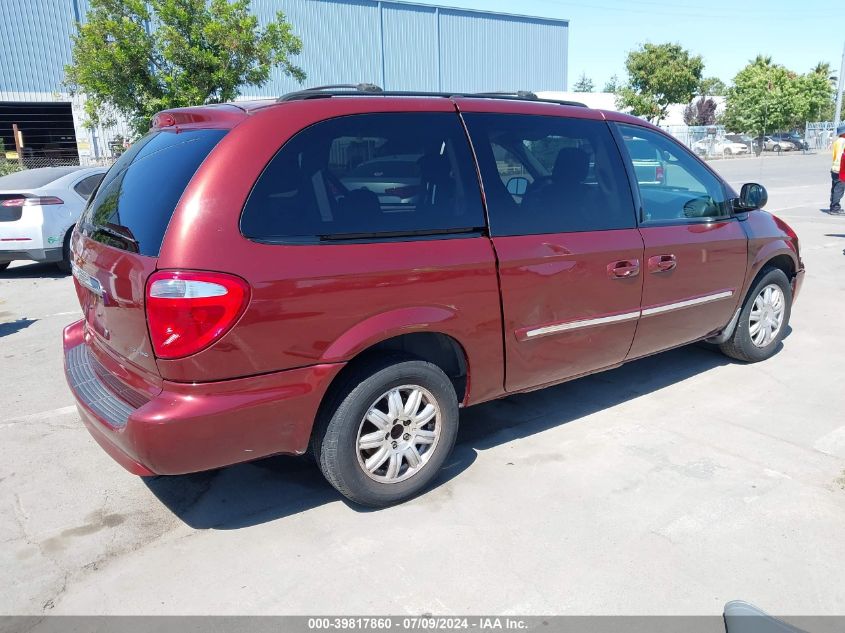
(139, 193)
(367, 176)
(550, 174)
(86, 186)
(676, 186)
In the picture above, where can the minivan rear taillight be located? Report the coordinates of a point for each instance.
(187, 311)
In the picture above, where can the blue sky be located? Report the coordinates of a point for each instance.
(726, 33)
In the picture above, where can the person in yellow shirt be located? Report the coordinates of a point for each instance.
(837, 188)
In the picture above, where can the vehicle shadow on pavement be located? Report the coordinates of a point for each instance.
(33, 271)
(277, 487)
(14, 326)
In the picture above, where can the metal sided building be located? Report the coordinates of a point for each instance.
(395, 44)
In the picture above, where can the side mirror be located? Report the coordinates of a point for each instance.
(517, 186)
(752, 197)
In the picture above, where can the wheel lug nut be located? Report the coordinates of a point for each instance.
(387, 436)
(406, 436)
(407, 422)
(395, 444)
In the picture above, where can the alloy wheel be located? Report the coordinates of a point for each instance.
(398, 434)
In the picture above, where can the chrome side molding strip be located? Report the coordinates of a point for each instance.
(618, 318)
(576, 325)
(718, 296)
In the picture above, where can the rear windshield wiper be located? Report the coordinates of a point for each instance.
(115, 233)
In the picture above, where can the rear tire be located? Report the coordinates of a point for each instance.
(763, 319)
(386, 430)
(64, 264)
(4, 266)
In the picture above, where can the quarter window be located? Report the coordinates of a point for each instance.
(547, 174)
(674, 185)
(368, 176)
(86, 186)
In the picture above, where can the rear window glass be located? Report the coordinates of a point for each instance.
(368, 176)
(137, 197)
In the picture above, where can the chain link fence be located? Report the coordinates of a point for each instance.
(820, 135)
(12, 164)
(711, 141)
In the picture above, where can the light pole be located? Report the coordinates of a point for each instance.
(837, 114)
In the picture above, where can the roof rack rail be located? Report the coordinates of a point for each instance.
(365, 89)
(331, 90)
(519, 94)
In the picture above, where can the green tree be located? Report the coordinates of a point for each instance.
(824, 68)
(767, 97)
(815, 97)
(764, 98)
(612, 85)
(584, 84)
(136, 57)
(658, 76)
(712, 87)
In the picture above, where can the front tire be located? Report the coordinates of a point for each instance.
(763, 320)
(386, 430)
(4, 266)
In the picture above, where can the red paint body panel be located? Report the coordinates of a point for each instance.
(117, 320)
(767, 240)
(711, 258)
(350, 297)
(560, 278)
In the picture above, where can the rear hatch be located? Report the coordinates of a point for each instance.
(117, 243)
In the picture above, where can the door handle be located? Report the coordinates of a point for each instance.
(624, 269)
(662, 263)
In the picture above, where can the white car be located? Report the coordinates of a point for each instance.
(719, 147)
(38, 209)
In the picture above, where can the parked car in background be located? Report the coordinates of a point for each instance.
(743, 139)
(240, 300)
(793, 138)
(719, 147)
(647, 162)
(38, 209)
(772, 144)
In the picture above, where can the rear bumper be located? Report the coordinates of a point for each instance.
(193, 427)
(7, 254)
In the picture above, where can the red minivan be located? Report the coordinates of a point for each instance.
(340, 271)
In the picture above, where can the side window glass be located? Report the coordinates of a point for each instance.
(515, 174)
(368, 176)
(547, 174)
(673, 184)
(86, 186)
